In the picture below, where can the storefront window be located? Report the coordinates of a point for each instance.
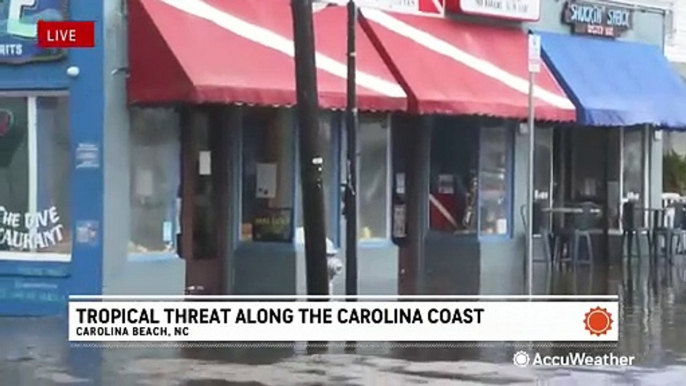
(543, 160)
(35, 176)
(267, 192)
(633, 165)
(494, 179)
(595, 170)
(154, 180)
(588, 150)
(330, 137)
(374, 179)
(454, 180)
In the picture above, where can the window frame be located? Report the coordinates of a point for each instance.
(337, 157)
(176, 206)
(645, 172)
(32, 150)
(509, 194)
(289, 123)
(550, 130)
(386, 239)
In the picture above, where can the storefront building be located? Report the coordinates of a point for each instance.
(51, 136)
(240, 214)
(465, 180)
(184, 145)
(626, 93)
(413, 119)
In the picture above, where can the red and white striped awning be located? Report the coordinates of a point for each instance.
(450, 67)
(219, 51)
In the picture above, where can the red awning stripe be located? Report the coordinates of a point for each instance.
(441, 47)
(282, 44)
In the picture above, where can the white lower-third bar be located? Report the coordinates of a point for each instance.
(445, 321)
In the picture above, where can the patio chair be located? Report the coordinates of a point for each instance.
(631, 232)
(580, 235)
(666, 225)
(676, 232)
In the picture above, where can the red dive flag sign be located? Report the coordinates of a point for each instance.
(66, 34)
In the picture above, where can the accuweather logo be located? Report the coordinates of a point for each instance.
(524, 359)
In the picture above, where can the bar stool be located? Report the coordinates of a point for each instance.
(581, 232)
(676, 231)
(659, 232)
(630, 231)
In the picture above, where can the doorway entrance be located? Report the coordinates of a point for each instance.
(204, 193)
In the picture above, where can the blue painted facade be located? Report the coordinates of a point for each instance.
(41, 288)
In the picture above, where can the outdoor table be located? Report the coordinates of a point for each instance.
(570, 210)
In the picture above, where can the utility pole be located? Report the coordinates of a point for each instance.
(311, 160)
(351, 123)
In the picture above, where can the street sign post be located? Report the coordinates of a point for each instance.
(534, 67)
(534, 53)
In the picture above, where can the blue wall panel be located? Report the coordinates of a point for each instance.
(41, 288)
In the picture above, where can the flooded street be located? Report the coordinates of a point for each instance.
(653, 329)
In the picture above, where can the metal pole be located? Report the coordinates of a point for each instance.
(530, 189)
(351, 183)
(311, 160)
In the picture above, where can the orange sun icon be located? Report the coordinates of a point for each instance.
(598, 321)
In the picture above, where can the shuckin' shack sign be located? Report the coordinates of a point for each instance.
(18, 26)
(595, 19)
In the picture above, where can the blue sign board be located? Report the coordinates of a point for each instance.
(18, 20)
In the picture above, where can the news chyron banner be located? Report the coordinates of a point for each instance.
(273, 321)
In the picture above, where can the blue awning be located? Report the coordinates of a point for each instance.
(615, 83)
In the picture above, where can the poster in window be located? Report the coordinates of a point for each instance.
(144, 183)
(273, 225)
(446, 184)
(399, 221)
(266, 180)
(205, 163)
(400, 183)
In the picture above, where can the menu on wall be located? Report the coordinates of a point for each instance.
(18, 29)
(522, 10)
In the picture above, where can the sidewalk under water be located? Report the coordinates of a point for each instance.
(652, 329)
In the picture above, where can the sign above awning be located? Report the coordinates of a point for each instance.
(413, 7)
(595, 19)
(520, 10)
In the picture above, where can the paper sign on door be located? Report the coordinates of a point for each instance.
(266, 180)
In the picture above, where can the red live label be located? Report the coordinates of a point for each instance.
(66, 34)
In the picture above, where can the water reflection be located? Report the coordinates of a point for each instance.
(652, 328)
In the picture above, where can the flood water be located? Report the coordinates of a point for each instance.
(652, 328)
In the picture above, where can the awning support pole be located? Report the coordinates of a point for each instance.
(351, 181)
